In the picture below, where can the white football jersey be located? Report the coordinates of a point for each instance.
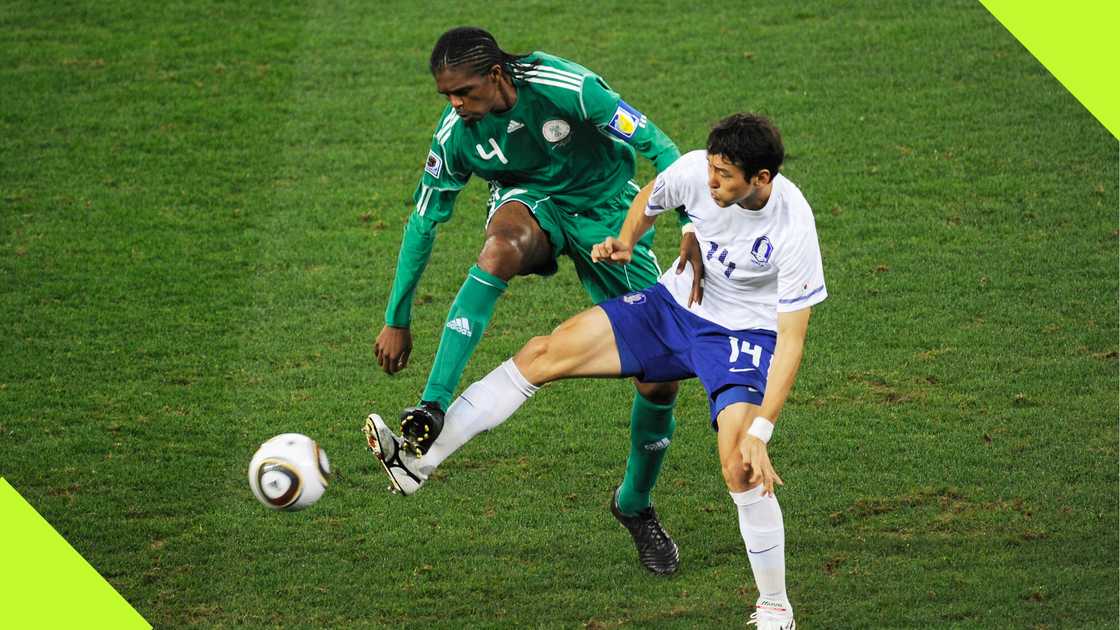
(757, 263)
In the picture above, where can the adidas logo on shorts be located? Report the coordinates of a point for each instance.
(460, 325)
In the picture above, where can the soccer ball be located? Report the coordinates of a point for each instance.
(289, 472)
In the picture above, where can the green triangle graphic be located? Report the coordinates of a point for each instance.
(1077, 42)
(44, 583)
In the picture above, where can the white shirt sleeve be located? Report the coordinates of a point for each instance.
(800, 271)
(670, 189)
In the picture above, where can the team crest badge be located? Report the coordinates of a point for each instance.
(556, 130)
(434, 165)
(634, 298)
(761, 251)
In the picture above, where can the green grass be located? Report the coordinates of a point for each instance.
(201, 207)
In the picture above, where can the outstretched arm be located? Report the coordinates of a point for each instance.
(653, 144)
(435, 200)
(606, 109)
(394, 343)
(786, 361)
(783, 371)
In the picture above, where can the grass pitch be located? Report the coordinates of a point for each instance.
(200, 209)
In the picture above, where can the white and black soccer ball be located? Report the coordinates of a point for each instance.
(289, 472)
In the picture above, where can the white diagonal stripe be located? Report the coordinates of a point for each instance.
(445, 132)
(557, 74)
(489, 284)
(422, 203)
(560, 72)
(446, 122)
(568, 86)
(554, 77)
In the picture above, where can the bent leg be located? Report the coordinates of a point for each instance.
(515, 245)
(733, 422)
(482, 406)
(576, 348)
(583, 346)
(760, 516)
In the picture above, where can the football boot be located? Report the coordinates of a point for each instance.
(420, 426)
(772, 614)
(656, 549)
(406, 475)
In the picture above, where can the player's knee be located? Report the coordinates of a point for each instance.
(536, 363)
(658, 393)
(735, 475)
(514, 243)
(728, 472)
(501, 256)
(533, 350)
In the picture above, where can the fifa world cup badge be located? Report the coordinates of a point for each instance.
(434, 165)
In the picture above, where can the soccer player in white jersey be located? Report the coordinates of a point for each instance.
(744, 341)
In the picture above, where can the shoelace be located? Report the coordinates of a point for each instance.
(653, 529)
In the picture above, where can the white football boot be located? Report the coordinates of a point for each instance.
(403, 467)
(770, 614)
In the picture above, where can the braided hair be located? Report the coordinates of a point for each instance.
(475, 50)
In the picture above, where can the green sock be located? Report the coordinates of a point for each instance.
(651, 428)
(466, 321)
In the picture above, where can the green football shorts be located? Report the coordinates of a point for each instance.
(573, 232)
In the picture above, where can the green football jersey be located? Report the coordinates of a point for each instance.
(568, 135)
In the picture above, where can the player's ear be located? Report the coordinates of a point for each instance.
(495, 73)
(763, 176)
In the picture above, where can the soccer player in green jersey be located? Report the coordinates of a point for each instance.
(557, 147)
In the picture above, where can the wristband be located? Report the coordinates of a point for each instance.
(762, 429)
(687, 228)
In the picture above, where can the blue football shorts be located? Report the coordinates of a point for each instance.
(658, 341)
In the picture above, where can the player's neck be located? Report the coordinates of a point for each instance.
(758, 198)
(507, 96)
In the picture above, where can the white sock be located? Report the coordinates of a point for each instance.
(760, 523)
(481, 407)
